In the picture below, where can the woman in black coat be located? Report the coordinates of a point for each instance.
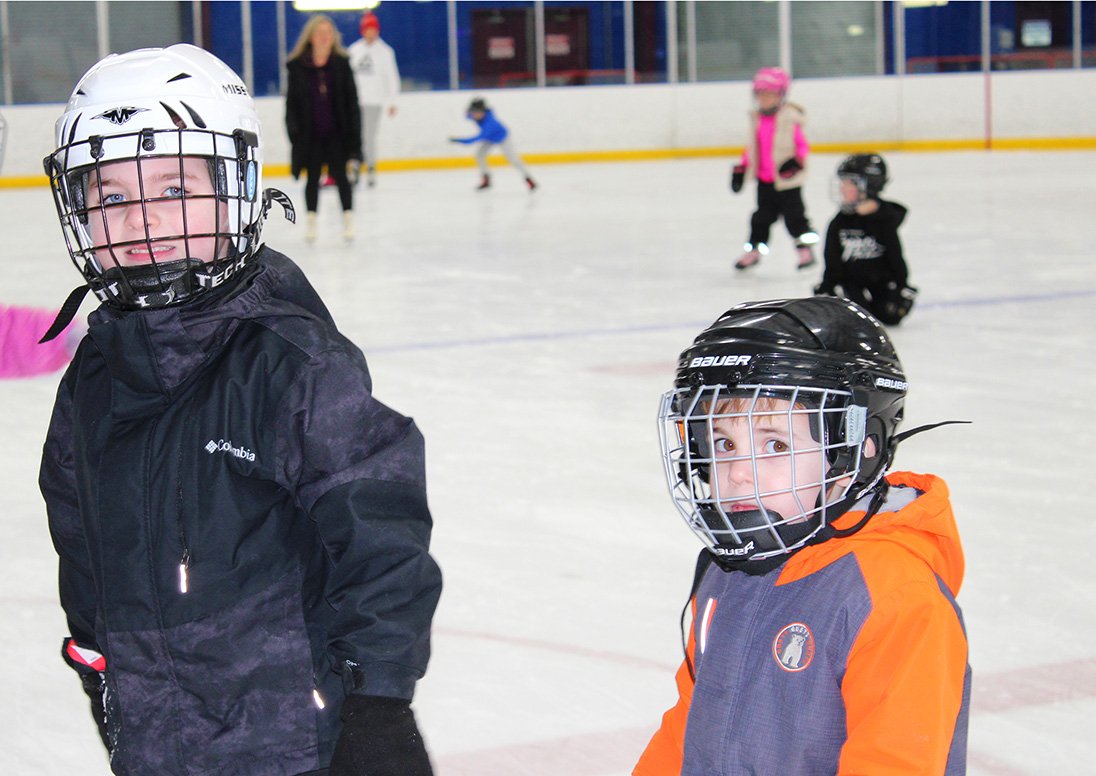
(322, 117)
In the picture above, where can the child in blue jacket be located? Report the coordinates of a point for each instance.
(492, 132)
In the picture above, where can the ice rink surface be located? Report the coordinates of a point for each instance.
(531, 335)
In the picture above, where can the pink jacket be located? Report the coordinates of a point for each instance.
(20, 353)
(773, 140)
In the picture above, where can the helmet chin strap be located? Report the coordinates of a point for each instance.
(67, 313)
(759, 526)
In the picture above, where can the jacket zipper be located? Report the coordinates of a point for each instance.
(184, 559)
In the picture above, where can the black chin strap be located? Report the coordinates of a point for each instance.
(907, 434)
(271, 196)
(877, 499)
(880, 494)
(67, 313)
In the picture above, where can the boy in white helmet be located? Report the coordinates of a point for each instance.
(242, 527)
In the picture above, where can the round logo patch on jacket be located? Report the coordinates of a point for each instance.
(793, 647)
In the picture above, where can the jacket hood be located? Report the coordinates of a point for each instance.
(153, 352)
(916, 515)
(894, 210)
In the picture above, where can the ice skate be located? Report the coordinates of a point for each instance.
(751, 258)
(532, 184)
(310, 228)
(371, 176)
(806, 257)
(348, 225)
(485, 183)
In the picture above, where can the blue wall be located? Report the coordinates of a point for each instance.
(418, 33)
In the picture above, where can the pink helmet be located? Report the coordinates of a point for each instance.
(771, 79)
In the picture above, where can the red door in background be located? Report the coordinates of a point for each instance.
(502, 51)
(566, 48)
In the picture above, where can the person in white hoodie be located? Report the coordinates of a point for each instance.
(378, 80)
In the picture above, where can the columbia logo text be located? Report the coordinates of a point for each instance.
(720, 361)
(225, 446)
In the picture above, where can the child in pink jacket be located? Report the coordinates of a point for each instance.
(776, 155)
(20, 353)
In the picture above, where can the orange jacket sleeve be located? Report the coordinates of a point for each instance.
(904, 685)
(663, 755)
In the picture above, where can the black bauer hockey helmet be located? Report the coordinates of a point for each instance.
(477, 103)
(869, 171)
(820, 357)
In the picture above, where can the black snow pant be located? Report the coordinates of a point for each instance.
(771, 204)
(326, 151)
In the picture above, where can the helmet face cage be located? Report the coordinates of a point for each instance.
(211, 225)
(794, 477)
(837, 196)
(157, 176)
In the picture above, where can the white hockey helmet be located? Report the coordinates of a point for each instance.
(171, 103)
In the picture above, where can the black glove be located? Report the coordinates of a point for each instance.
(738, 177)
(379, 738)
(898, 303)
(790, 168)
(93, 686)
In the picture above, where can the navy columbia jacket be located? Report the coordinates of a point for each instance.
(242, 529)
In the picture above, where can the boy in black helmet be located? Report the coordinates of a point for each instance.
(825, 636)
(863, 252)
(492, 132)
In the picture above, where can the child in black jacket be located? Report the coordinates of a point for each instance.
(864, 261)
(242, 527)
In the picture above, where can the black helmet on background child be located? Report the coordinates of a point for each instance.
(869, 171)
(159, 108)
(826, 359)
(478, 103)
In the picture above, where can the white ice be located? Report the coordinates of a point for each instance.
(531, 335)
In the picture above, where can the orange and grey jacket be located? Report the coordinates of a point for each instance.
(851, 658)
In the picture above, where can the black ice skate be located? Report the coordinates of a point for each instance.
(485, 183)
(532, 184)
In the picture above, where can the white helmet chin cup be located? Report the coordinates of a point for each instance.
(174, 102)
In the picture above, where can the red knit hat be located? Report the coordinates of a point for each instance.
(370, 21)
